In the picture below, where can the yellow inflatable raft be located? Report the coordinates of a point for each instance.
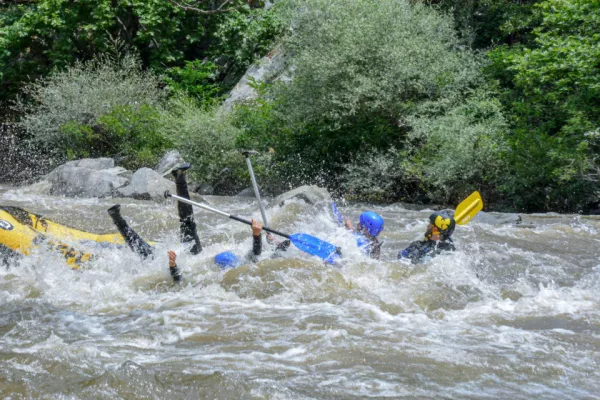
(21, 231)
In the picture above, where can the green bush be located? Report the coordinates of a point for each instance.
(71, 103)
(363, 58)
(380, 177)
(363, 72)
(197, 79)
(206, 138)
(550, 89)
(459, 149)
(245, 35)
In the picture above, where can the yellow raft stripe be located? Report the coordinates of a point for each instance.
(14, 235)
(63, 232)
(22, 238)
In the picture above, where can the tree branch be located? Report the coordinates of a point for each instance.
(189, 7)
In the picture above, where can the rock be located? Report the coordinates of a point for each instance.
(205, 189)
(86, 179)
(171, 159)
(92, 163)
(313, 195)
(268, 69)
(147, 184)
(248, 192)
(120, 171)
(497, 218)
(40, 188)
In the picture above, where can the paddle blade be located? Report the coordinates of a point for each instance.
(468, 208)
(337, 213)
(315, 246)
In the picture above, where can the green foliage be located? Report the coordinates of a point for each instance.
(196, 79)
(245, 35)
(206, 138)
(134, 133)
(49, 34)
(84, 92)
(361, 70)
(491, 22)
(459, 149)
(380, 177)
(550, 90)
(369, 58)
(99, 108)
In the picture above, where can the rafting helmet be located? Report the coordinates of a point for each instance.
(227, 260)
(443, 222)
(372, 222)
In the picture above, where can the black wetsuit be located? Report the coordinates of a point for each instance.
(187, 228)
(418, 250)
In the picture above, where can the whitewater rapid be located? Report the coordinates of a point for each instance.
(515, 312)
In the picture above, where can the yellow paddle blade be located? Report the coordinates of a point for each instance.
(468, 208)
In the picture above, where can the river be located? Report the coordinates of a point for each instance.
(513, 313)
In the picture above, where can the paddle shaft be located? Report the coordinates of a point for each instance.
(255, 186)
(224, 214)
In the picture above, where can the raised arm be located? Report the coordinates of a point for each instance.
(173, 269)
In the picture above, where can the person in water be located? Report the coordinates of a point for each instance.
(437, 238)
(187, 227)
(369, 227)
(228, 259)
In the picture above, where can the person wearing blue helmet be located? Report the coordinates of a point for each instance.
(370, 225)
(226, 260)
(437, 239)
(229, 259)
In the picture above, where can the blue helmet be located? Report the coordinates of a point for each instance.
(227, 260)
(372, 222)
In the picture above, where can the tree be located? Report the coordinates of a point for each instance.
(552, 91)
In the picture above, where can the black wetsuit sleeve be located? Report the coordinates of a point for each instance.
(256, 245)
(188, 229)
(176, 273)
(375, 252)
(446, 245)
(283, 246)
(133, 240)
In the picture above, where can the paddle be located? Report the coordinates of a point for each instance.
(337, 213)
(468, 208)
(254, 184)
(305, 242)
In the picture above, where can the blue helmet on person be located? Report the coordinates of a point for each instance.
(227, 260)
(372, 222)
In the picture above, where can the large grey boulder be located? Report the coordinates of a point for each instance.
(205, 189)
(87, 178)
(171, 159)
(92, 163)
(147, 184)
(248, 192)
(268, 69)
(313, 195)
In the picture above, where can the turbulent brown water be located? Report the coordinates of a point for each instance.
(514, 313)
